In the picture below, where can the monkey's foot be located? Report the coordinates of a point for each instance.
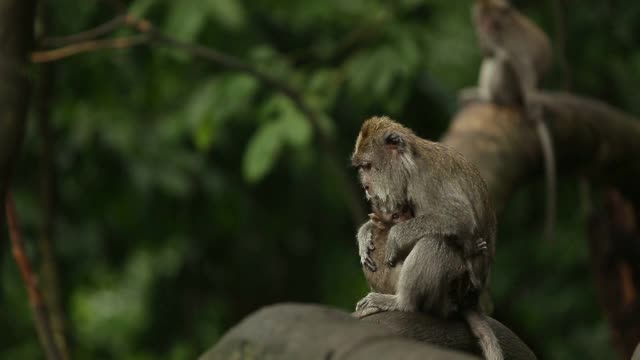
(374, 303)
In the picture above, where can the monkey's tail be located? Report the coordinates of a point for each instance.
(550, 176)
(486, 337)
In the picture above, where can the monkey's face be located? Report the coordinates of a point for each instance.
(383, 158)
(492, 17)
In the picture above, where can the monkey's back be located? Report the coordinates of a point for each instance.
(532, 42)
(452, 179)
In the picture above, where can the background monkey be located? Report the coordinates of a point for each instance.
(450, 202)
(516, 53)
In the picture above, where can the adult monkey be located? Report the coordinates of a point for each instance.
(450, 204)
(516, 54)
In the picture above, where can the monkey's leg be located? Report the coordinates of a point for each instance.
(404, 236)
(419, 285)
(424, 275)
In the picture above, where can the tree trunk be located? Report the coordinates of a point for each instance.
(16, 39)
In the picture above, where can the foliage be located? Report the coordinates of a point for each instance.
(189, 195)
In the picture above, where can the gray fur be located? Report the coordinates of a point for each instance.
(452, 209)
(486, 337)
(516, 55)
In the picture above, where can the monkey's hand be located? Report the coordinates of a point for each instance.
(366, 246)
(377, 221)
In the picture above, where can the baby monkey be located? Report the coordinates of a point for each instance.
(373, 235)
(384, 279)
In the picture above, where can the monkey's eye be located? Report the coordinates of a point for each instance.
(364, 166)
(393, 139)
(395, 216)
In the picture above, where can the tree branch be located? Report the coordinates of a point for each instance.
(593, 140)
(328, 145)
(87, 46)
(40, 313)
(590, 138)
(91, 34)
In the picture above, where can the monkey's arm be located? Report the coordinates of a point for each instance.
(365, 244)
(456, 222)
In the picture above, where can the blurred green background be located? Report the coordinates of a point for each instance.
(189, 195)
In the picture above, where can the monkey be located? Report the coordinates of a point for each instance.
(450, 203)
(373, 234)
(516, 54)
(384, 279)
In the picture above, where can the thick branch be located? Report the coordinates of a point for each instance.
(41, 315)
(614, 246)
(590, 138)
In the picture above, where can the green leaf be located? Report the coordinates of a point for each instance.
(216, 101)
(294, 128)
(186, 19)
(204, 135)
(140, 7)
(262, 152)
(229, 13)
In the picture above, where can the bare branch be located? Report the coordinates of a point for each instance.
(40, 313)
(150, 33)
(91, 34)
(87, 46)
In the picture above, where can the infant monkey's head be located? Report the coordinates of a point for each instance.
(404, 213)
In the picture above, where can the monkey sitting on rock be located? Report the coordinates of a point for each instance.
(449, 205)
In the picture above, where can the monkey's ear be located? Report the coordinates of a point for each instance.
(395, 140)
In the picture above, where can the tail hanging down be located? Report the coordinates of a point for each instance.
(487, 339)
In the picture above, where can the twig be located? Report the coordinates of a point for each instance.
(91, 34)
(150, 33)
(39, 308)
(86, 46)
(233, 63)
